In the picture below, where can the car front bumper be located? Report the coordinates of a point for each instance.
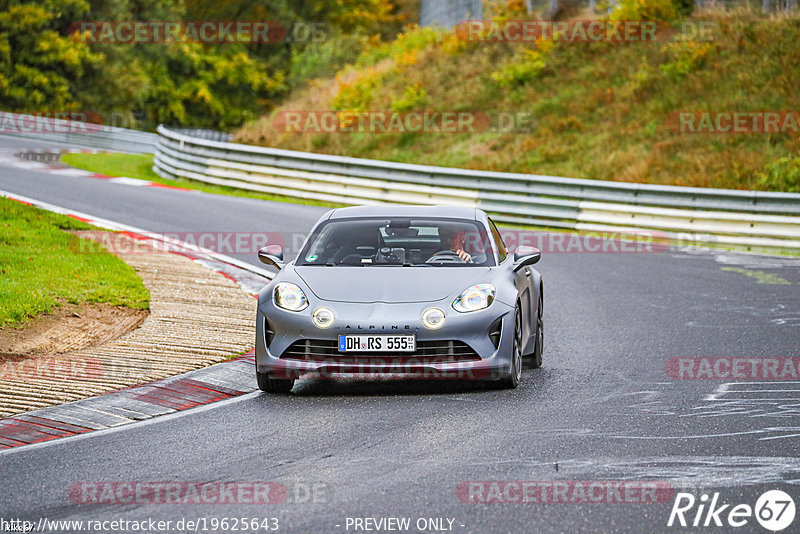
(461, 349)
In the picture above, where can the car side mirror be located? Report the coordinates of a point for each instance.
(272, 255)
(524, 256)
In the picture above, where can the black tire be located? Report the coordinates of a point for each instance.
(538, 346)
(273, 385)
(515, 375)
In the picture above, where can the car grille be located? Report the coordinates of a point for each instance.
(320, 350)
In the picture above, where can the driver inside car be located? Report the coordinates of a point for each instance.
(455, 240)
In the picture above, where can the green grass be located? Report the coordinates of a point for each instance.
(131, 165)
(40, 266)
(141, 166)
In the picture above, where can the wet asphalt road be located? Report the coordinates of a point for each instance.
(602, 408)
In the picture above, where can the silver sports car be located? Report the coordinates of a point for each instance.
(409, 291)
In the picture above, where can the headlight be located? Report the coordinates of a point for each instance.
(433, 318)
(290, 297)
(322, 318)
(474, 298)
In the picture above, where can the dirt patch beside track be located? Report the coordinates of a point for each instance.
(67, 328)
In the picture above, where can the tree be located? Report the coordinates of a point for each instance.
(47, 64)
(38, 65)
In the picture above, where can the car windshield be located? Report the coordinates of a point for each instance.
(406, 242)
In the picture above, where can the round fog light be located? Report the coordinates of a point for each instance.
(322, 318)
(433, 318)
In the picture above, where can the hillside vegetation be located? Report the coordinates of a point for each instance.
(602, 110)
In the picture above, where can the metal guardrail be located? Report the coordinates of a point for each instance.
(75, 133)
(210, 135)
(730, 217)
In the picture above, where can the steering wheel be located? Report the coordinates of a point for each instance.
(445, 256)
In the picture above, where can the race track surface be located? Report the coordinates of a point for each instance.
(602, 408)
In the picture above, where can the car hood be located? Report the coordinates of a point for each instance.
(390, 284)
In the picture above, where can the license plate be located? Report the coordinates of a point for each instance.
(377, 343)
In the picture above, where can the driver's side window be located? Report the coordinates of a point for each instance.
(498, 239)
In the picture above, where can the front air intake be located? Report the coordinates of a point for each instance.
(318, 350)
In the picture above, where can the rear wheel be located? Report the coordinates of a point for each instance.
(273, 385)
(515, 375)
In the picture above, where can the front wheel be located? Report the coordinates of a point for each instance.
(515, 375)
(538, 347)
(273, 385)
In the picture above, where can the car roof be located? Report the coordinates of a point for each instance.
(401, 210)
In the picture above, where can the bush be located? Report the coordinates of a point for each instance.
(686, 56)
(665, 10)
(323, 60)
(413, 40)
(524, 66)
(505, 9)
(358, 94)
(783, 174)
(414, 97)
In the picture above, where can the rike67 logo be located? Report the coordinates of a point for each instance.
(774, 510)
